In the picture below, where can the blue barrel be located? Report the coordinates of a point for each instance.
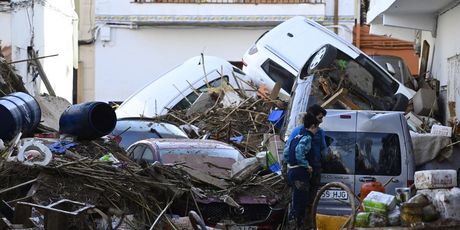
(19, 112)
(88, 120)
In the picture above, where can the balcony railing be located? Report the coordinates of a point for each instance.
(233, 1)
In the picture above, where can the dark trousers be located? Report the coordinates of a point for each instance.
(304, 189)
(299, 180)
(314, 186)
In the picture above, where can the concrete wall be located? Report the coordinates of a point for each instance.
(5, 35)
(134, 57)
(447, 44)
(86, 34)
(447, 48)
(48, 26)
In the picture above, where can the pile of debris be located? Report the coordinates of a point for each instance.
(9, 81)
(243, 125)
(103, 186)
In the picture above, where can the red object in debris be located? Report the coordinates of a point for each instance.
(368, 187)
(47, 135)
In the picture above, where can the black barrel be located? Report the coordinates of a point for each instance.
(19, 112)
(88, 120)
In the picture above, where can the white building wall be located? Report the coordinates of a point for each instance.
(446, 44)
(48, 27)
(5, 27)
(446, 64)
(134, 57)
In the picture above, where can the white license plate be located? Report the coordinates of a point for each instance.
(334, 195)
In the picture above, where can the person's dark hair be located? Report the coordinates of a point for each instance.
(309, 120)
(316, 109)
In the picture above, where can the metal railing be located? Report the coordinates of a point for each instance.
(233, 1)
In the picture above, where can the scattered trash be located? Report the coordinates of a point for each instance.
(34, 152)
(61, 146)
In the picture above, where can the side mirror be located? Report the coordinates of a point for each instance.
(390, 68)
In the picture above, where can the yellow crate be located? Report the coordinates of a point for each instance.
(326, 222)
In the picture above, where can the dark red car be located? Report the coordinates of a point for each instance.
(215, 158)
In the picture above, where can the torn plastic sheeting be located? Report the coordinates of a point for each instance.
(61, 146)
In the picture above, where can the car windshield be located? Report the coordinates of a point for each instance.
(212, 152)
(402, 72)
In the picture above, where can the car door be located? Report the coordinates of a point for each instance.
(339, 164)
(379, 154)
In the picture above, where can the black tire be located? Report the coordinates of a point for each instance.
(400, 102)
(197, 222)
(323, 58)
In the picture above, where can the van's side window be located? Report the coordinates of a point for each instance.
(185, 103)
(342, 157)
(278, 74)
(378, 154)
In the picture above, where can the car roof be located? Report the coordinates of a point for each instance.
(167, 143)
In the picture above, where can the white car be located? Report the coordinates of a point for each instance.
(175, 89)
(280, 54)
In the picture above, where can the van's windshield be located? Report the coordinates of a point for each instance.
(363, 153)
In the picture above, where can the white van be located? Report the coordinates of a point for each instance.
(175, 89)
(280, 54)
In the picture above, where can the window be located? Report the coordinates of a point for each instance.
(189, 99)
(136, 152)
(213, 152)
(342, 157)
(148, 155)
(278, 74)
(367, 86)
(363, 154)
(378, 154)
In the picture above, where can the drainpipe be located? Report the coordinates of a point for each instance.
(336, 16)
(358, 34)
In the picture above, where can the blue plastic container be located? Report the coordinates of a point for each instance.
(19, 112)
(88, 120)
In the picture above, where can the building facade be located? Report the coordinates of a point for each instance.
(137, 41)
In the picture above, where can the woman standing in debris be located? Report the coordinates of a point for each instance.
(298, 155)
(319, 148)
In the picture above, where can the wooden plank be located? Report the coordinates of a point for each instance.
(206, 178)
(41, 72)
(275, 91)
(452, 111)
(334, 97)
(344, 99)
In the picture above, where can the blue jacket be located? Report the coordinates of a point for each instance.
(301, 151)
(318, 144)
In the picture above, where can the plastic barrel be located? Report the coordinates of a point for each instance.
(88, 120)
(19, 112)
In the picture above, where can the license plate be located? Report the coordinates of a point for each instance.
(334, 195)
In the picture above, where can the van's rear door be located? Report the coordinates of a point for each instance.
(338, 166)
(379, 143)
